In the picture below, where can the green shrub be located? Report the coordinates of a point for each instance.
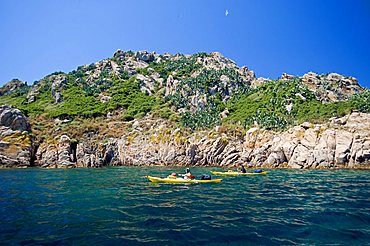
(361, 102)
(76, 102)
(202, 118)
(126, 94)
(163, 111)
(268, 120)
(267, 106)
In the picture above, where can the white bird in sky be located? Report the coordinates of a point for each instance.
(226, 12)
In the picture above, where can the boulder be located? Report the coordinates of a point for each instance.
(144, 56)
(360, 150)
(276, 157)
(286, 76)
(13, 118)
(300, 157)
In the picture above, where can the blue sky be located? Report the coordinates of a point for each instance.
(270, 37)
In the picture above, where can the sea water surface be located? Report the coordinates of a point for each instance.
(118, 205)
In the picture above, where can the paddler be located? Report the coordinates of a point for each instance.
(242, 168)
(188, 174)
(172, 176)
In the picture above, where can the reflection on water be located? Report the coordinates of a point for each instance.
(118, 205)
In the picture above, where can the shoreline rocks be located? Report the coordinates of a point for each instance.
(341, 143)
(338, 144)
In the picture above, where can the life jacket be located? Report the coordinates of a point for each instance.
(190, 176)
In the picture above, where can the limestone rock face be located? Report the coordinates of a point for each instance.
(16, 149)
(247, 74)
(132, 61)
(160, 145)
(342, 143)
(324, 151)
(153, 142)
(98, 155)
(148, 82)
(276, 157)
(300, 157)
(57, 154)
(343, 146)
(213, 154)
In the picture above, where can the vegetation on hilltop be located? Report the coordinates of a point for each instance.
(198, 99)
(282, 103)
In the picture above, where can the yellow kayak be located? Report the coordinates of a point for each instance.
(233, 173)
(181, 180)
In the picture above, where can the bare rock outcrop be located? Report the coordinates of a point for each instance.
(56, 82)
(337, 144)
(58, 153)
(16, 148)
(334, 145)
(59, 82)
(331, 87)
(13, 118)
(145, 56)
(12, 86)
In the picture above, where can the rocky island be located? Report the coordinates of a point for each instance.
(142, 108)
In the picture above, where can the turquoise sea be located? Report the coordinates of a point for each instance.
(117, 205)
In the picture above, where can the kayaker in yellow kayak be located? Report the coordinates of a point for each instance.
(187, 175)
(241, 169)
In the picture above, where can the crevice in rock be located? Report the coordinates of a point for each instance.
(34, 149)
(108, 157)
(349, 152)
(73, 151)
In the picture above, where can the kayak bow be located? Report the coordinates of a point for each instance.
(181, 180)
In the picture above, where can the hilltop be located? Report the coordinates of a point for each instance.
(140, 108)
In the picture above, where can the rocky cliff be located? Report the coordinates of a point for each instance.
(16, 146)
(142, 108)
(342, 143)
